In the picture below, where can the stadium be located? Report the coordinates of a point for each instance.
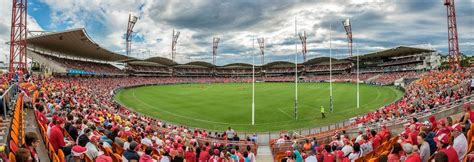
(67, 98)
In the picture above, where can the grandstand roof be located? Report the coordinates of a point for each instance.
(144, 63)
(394, 52)
(279, 64)
(75, 43)
(161, 60)
(238, 65)
(200, 63)
(190, 66)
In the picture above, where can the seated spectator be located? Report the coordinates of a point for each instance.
(146, 157)
(130, 153)
(23, 155)
(77, 154)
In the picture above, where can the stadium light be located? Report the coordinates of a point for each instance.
(347, 26)
(174, 41)
(132, 20)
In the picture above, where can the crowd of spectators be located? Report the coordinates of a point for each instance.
(441, 140)
(389, 78)
(149, 69)
(84, 108)
(336, 67)
(86, 66)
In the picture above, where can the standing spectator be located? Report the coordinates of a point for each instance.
(230, 133)
(356, 153)
(204, 155)
(442, 141)
(251, 154)
(460, 141)
(190, 155)
(396, 152)
(424, 147)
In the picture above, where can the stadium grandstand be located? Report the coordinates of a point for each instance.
(74, 100)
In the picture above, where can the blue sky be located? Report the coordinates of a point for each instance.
(377, 25)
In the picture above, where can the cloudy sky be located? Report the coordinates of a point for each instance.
(377, 25)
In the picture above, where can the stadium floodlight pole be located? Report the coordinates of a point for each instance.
(330, 68)
(128, 38)
(215, 43)
(296, 71)
(358, 92)
(453, 46)
(347, 26)
(173, 44)
(253, 80)
(18, 44)
(303, 44)
(261, 44)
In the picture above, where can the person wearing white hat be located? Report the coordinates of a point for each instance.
(77, 154)
(460, 141)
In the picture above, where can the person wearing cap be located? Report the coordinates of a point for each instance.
(56, 137)
(130, 153)
(77, 154)
(146, 157)
(460, 141)
(92, 150)
(215, 156)
(411, 156)
(442, 142)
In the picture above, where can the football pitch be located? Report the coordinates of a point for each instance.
(218, 106)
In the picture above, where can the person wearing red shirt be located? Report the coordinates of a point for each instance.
(340, 156)
(327, 155)
(40, 115)
(442, 142)
(204, 155)
(411, 156)
(56, 137)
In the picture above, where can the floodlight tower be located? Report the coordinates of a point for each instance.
(18, 38)
(215, 43)
(347, 26)
(173, 44)
(261, 44)
(303, 44)
(453, 46)
(128, 38)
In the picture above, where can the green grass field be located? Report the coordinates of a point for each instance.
(217, 106)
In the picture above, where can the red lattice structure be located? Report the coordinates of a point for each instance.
(18, 35)
(453, 46)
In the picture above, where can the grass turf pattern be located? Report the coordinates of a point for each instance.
(218, 106)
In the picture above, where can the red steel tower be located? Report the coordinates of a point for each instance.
(453, 46)
(261, 44)
(215, 43)
(303, 44)
(18, 38)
